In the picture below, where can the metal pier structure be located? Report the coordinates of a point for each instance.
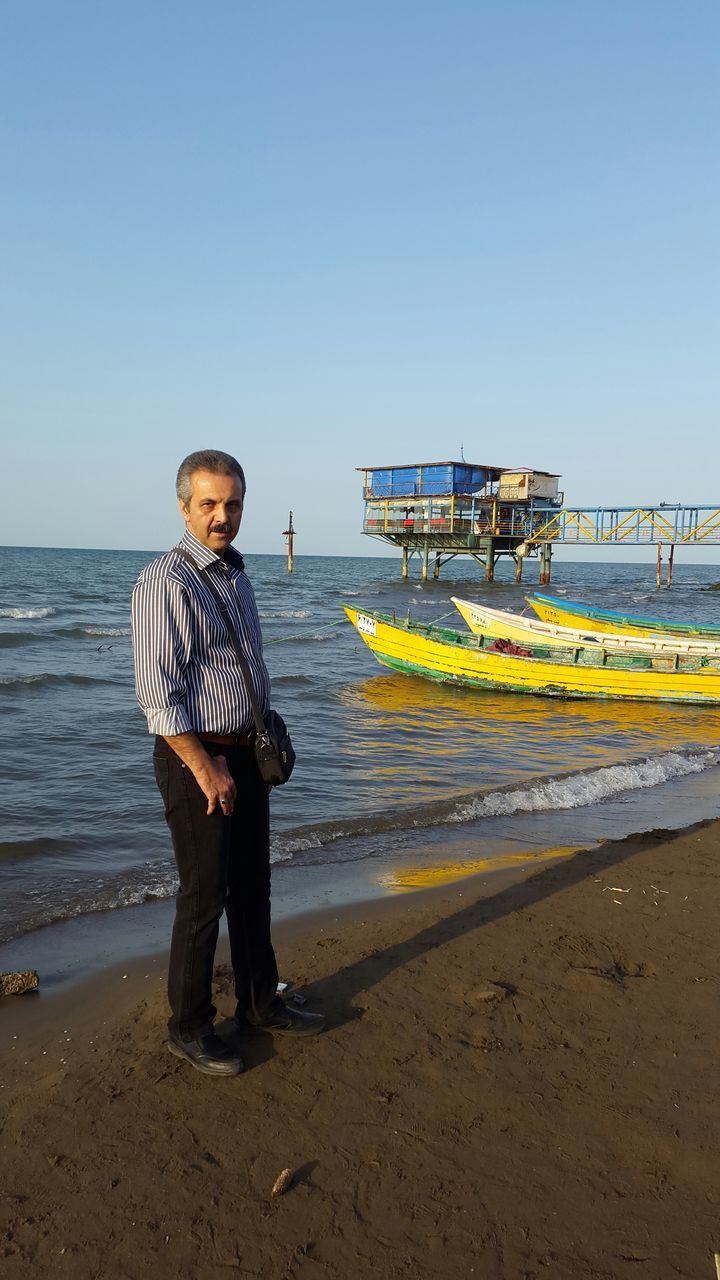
(438, 511)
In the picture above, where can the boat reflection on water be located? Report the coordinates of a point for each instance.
(406, 705)
(411, 741)
(434, 875)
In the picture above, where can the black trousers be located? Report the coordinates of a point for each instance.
(224, 865)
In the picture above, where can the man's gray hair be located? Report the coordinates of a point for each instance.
(214, 460)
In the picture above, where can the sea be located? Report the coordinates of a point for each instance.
(395, 774)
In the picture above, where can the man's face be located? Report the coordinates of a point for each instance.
(215, 509)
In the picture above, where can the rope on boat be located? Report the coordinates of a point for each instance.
(452, 614)
(305, 635)
(309, 635)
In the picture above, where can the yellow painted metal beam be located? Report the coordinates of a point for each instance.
(711, 525)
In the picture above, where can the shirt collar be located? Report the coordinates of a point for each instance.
(204, 557)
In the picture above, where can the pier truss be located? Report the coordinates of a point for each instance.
(598, 525)
(455, 525)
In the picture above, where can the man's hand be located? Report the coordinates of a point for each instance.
(217, 785)
(210, 772)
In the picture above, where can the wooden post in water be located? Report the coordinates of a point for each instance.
(436, 570)
(659, 565)
(670, 563)
(405, 562)
(425, 558)
(289, 533)
(545, 562)
(518, 568)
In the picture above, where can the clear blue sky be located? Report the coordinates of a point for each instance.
(327, 234)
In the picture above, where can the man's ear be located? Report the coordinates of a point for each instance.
(183, 509)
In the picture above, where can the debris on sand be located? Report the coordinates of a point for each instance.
(282, 1183)
(14, 984)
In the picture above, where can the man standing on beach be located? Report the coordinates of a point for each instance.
(191, 689)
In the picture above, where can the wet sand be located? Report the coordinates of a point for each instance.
(518, 1080)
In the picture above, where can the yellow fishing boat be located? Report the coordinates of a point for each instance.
(483, 620)
(459, 657)
(570, 613)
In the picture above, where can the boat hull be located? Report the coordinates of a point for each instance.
(483, 620)
(460, 658)
(570, 613)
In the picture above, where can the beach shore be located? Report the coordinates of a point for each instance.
(517, 1080)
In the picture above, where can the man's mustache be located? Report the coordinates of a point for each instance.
(220, 528)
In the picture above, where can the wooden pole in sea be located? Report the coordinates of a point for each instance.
(289, 533)
(545, 563)
(658, 575)
(670, 563)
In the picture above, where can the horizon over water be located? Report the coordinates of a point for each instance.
(390, 768)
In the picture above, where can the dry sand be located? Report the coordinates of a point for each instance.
(564, 1126)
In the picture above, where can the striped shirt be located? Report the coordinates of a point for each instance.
(187, 675)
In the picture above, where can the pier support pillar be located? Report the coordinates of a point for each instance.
(518, 568)
(545, 562)
(405, 562)
(425, 558)
(436, 570)
(671, 557)
(658, 575)
(490, 567)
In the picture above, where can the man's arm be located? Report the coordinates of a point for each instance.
(161, 642)
(210, 772)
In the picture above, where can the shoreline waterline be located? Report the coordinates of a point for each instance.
(71, 953)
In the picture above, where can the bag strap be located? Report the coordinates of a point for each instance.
(235, 638)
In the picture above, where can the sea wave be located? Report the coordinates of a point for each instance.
(157, 880)
(591, 786)
(16, 639)
(150, 883)
(46, 679)
(565, 791)
(103, 631)
(285, 613)
(27, 613)
(41, 847)
(306, 635)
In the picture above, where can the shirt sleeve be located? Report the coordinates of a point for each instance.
(254, 617)
(161, 645)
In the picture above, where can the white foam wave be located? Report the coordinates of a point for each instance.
(106, 631)
(286, 613)
(26, 613)
(8, 680)
(282, 850)
(573, 791)
(588, 788)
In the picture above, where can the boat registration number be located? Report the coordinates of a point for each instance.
(367, 626)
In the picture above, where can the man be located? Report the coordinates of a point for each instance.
(191, 688)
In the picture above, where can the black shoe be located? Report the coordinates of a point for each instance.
(208, 1054)
(286, 1021)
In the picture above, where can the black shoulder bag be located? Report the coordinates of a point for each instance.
(271, 743)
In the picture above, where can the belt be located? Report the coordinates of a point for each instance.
(225, 739)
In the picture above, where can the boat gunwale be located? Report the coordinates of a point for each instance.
(614, 641)
(630, 619)
(611, 660)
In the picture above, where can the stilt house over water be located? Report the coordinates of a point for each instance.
(447, 509)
